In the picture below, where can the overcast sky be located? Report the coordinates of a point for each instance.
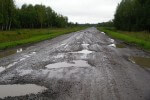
(81, 11)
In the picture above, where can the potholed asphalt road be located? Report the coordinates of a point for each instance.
(84, 65)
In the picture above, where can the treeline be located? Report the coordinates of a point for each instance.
(106, 24)
(133, 15)
(29, 16)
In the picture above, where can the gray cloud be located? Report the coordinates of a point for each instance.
(82, 11)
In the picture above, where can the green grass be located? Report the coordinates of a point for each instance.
(141, 39)
(26, 36)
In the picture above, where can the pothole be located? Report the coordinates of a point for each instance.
(25, 72)
(32, 53)
(117, 45)
(75, 63)
(111, 40)
(2, 69)
(12, 64)
(142, 61)
(19, 50)
(10, 52)
(59, 55)
(20, 90)
(85, 50)
(85, 46)
(120, 46)
(103, 33)
(112, 45)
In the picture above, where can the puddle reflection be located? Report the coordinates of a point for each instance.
(112, 45)
(2, 69)
(117, 45)
(20, 90)
(142, 61)
(10, 52)
(103, 33)
(19, 50)
(76, 63)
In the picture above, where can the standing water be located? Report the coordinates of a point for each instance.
(10, 52)
(76, 63)
(142, 61)
(20, 90)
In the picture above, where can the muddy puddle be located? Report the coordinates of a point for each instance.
(20, 90)
(142, 61)
(117, 45)
(6, 53)
(120, 46)
(75, 63)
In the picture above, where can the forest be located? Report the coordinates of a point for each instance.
(131, 23)
(133, 15)
(29, 16)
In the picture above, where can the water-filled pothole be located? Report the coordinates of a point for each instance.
(75, 63)
(103, 33)
(142, 61)
(112, 45)
(2, 69)
(120, 46)
(10, 52)
(117, 45)
(20, 90)
(85, 46)
(111, 40)
(85, 50)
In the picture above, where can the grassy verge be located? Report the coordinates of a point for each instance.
(25, 36)
(141, 39)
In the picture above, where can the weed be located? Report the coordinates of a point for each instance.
(24, 36)
(141, 39)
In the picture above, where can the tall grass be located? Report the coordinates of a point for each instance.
(141, 39)
(25, 36)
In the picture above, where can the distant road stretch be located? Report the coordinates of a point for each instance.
(84, 65)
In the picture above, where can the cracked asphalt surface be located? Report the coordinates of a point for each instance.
(87, 68)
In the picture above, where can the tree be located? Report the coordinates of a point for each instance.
(41, 14)
(49, 16)
(1, 13)
(29, 16)
(133, 15)
(7, 13)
